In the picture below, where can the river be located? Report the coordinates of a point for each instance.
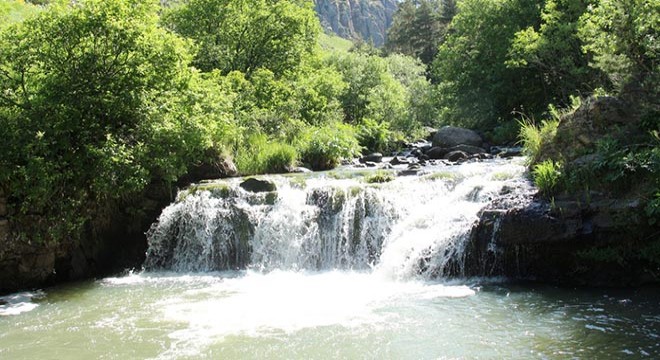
(328, 267)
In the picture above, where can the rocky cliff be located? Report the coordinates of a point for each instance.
(597, 241)
(357, 19)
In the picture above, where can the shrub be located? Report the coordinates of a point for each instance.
(258, 155)
(374, 136)
(324, 147)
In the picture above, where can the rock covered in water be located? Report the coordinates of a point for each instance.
(256, 185)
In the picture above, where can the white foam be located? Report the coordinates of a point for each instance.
(18, 303)
(283, 302)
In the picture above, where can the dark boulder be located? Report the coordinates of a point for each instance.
(399, 161)
(256, 185)
(456, 156)
(436, 153)
(373, 157)
(594, 241)
(209, 170)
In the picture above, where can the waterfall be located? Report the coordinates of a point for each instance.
(411, 226)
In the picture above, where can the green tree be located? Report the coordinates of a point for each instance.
(245, 35)
(475, 86)
(419, 27)
(95, 100)
(554, 51)
(623, 37)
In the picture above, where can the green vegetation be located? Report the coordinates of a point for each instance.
(547, 176)
(534, 137)
(379, 177)
(419, 27)
(98, 99)
(334, 43)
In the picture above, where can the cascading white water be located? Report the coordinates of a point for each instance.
(379, 249)
(414, 225)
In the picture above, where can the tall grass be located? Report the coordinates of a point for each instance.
(258, 155)
(534, 137)
(547, 176)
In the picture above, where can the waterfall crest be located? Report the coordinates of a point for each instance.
(411, 226)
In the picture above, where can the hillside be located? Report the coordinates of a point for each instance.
(357, 19)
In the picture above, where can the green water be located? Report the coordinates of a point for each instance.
(331, 315)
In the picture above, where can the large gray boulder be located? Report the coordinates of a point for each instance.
(450, 136)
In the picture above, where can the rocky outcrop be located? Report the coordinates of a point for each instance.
(595, 241)
(367, 20)
(113, 241)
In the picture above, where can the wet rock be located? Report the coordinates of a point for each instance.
(399, 161)
(456, 156)
(507, 152)
(256, 185)
(4, 229)
(436, 153)
(408, 172)
(370, 164)
(468, 149)
(373, 157)
(300, 170)
(415, 153)
(450, 136)
(598, 241)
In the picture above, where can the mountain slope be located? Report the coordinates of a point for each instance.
(357, 19)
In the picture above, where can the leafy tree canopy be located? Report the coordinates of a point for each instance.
(245, 35)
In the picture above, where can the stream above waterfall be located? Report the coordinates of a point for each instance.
(327, 266)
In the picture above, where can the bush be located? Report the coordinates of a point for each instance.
(107, 111)
(324, 147)
(374, 136)
(258, 155)
(547, 177)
